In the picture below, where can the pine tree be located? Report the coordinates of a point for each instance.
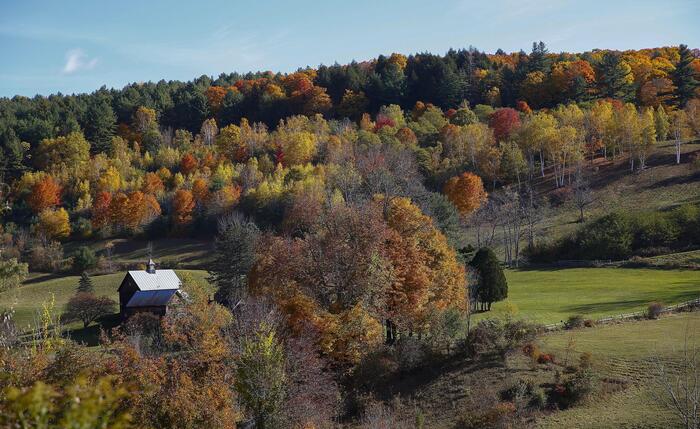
(616, 77)
(492, 285)
(100, 123)
(85, 283)
(684, 76)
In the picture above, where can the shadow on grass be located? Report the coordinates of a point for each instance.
(628, 306)
(90, 335)
(43, 277)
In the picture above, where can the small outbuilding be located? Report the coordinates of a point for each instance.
(148, 291)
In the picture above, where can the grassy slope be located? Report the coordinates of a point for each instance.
(38, 289)
(552, 295)
(185, 252)
(623, 351)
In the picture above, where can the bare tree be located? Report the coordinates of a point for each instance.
(582, 194)
(678, 385)
(390, 172)
(209, 131)
(534, 211)
(485, 222)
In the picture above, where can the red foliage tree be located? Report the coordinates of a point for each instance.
(101, 210)
(504, 122)
(188, 164)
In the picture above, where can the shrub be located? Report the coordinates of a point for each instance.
(545, 358)
(493, 417)
(585, 361)
(560, 196)
(500, 336)
(609, 237)
(589, 323)
(574, 389)
(409, 353)
(574, 322)
(654, 230)
(654, 310)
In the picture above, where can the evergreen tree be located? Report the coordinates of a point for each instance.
(85, 284)
(100, 122)
(492, 285)
(616, 77)
(234, 255)
(538, 60)
(684, 76)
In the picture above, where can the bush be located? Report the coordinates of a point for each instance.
(500, 336)
(84, 259)
(609, 237)
(654, 310)
(493, 417)
(589, 323)
(576, 321)
(654, 230)
(579, 386)
(560, 196)
(409, 353)
(545, 358)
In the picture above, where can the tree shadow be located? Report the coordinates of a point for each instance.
(90, 335)
(43, 277)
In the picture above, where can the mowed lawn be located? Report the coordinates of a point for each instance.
(552, 295)
(625, 352)
(39, 288)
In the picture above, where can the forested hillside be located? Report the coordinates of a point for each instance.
(351, 210)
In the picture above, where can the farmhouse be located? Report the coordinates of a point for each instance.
(147, 291)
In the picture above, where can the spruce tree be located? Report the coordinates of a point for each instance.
(684, 77)
(85, 283)
(492, 285)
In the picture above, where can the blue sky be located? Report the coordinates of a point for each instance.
(78, 46)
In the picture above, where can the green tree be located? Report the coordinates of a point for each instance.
(234, 255)
(85, 283)
(684, 76)
(100, 123)
(492, 285)
(616, 77)
(261, 378)
(83, 259)
(12, 274)
(662, 123)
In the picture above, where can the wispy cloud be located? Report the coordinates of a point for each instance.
(77, 60)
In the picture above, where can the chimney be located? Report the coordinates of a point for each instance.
(151, 267)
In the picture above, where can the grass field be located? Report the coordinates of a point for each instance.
(38, 289)
(552, 295)
(623, 351)
(545, 296)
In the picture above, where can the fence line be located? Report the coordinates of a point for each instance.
(627, 316)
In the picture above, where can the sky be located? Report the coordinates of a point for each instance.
(78, 46)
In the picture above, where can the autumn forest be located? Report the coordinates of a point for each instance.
(358, 215)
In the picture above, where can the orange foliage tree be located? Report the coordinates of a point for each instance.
(183, 205)
(466, 192)
(45, 193)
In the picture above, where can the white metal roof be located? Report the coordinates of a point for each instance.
(160, 280)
